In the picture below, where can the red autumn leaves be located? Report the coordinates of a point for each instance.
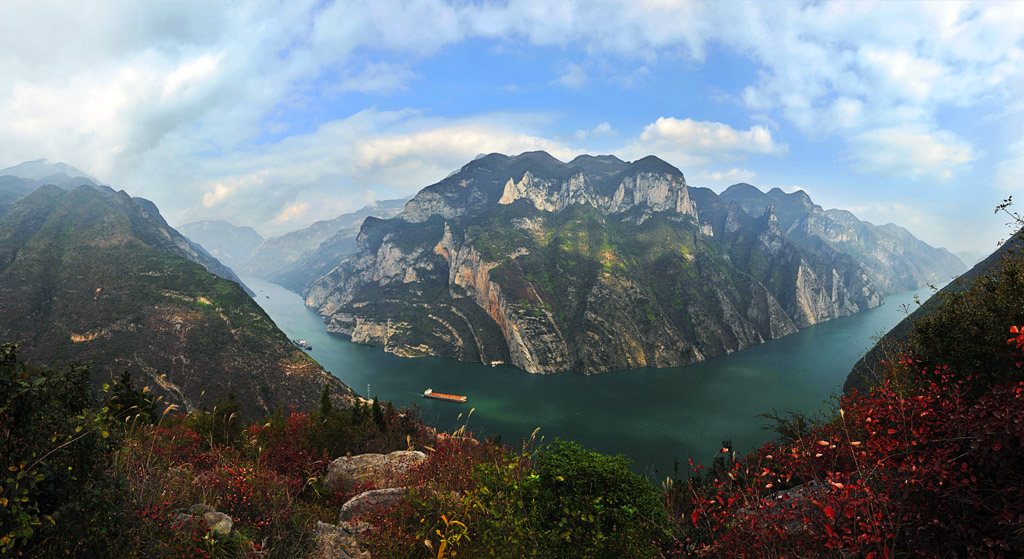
(921, 467)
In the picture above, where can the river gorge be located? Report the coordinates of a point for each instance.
(652, 416)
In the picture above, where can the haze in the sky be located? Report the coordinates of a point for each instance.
(276, 114)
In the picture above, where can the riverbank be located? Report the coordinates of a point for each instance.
(653, 416)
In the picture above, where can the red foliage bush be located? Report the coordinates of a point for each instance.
(920, 470)
(177, 444)
(256, 498)
(283, 449)
(450, 465)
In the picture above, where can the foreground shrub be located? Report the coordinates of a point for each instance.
(57, 494)
(560, 501)
(965, 330)
(593, 505)
(925, 471)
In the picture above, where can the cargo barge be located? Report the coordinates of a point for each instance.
(428, 393)
(302, 344)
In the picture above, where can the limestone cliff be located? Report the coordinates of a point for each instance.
(890, 256)
(600, 264)
(593, 266)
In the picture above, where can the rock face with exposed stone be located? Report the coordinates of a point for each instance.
(384, 472)
(218, 524)
(338, 541)
(370, 501)
(381, 470)
(600, 264)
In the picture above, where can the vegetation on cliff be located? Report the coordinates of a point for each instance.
(89, 275)
(927, 464)
(600, 264)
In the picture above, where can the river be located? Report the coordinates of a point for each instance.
(652, 416)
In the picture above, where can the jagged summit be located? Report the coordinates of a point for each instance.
(603, 182)
(742, 187)
(596, 161)
(593, 265)
(540, 157)
(893, 258)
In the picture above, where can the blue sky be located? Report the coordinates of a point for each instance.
(278, 114)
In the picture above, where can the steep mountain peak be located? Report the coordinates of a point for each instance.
(742, 188)
(539, 156)
(598, 166)
(485, 160)
(654, 164)
(771, 219)
(538, 164)
(798, 198)
(604, 182)
(95, 275)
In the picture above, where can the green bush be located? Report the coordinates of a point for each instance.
(58, 494)
(591, 505)
(967, 330)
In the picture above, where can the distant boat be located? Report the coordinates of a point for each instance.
(302, 344)
(428, 393)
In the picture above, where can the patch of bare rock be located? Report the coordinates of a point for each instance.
(386, 474)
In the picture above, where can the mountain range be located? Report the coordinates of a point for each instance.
(593, 265)
(229, 243)
(600, 264)
(91, 274)
(293, 260)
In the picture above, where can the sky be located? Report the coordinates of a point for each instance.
(277, 114)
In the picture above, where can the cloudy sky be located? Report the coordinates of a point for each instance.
(276, 114)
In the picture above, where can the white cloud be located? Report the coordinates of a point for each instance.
(575, 76)
(910, 152)
(380, 78)
(601, 130)
(692, 143)
(341, 166)
(831, 67)
(1010, 171)
(721, 178)
(291, 212)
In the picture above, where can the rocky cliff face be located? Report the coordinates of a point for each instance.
(294, 260)
(595, 265)
(892, 258)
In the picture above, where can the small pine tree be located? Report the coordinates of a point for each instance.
(326, 406)
(378, 414)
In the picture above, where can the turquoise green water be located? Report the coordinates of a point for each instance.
(653, 416)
